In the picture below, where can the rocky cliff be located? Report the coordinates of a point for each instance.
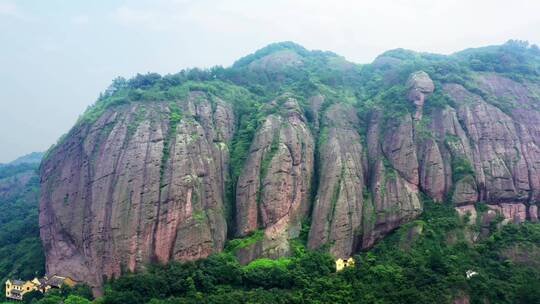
(273, 191)
(141, 183)
(289, 147)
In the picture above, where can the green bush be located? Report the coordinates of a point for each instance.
(461, 167)
(235, 244)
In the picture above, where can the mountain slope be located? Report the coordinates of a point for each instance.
(32, 158)
(21, 253)
(290, 146)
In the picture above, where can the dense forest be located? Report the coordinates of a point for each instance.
(421, 261)
(424, 260)
(21, 254)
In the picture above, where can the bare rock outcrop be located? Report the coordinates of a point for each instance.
(435, 175)
(273, 191)
(393, 178)
(395, 201)
(465, 192)
(399, 148)
(133, 187)
(503, 149)
(338, 208)
(420, 87)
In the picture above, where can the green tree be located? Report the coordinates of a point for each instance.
(73, 299)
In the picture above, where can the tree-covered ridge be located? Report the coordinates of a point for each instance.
(375, 86)
(21, 253)
(325, 72)
(34, 157)
(514, 57)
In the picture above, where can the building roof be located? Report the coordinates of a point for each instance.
(56, 281)
(17, 282)
(15, 291)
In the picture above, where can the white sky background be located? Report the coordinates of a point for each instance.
(57, 55)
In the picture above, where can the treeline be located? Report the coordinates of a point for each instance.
(422, 261)
(405, 268)
(21, 253)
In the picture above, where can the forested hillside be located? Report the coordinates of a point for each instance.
(246, 183)
(424, 260)
(21, 253)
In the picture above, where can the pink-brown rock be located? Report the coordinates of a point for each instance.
(338, 208)
(420, 87)
(399, 148)
(465, 192)
(134, 187)
(433, 172)
(496, 147)
(462, 299)
(273, 191)
(116, 197)
(393, 171)
(511, 212)
(533, 213)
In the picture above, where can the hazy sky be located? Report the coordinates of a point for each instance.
(56, 56)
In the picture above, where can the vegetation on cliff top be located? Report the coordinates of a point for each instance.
(261, 77)
(321, 70)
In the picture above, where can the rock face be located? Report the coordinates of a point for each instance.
(150, 181)
(276, 62)
(394, 177)
(420, 86)
(462, 299)
(498, 157)
(494, 153)
(273, 191)
(338, 209)
(136, 186)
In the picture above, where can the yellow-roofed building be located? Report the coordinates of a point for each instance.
(15, 289)
(341, 263)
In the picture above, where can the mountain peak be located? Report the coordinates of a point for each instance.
(272, 49)
(31, 158)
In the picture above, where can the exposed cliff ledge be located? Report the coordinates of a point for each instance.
(420, 87)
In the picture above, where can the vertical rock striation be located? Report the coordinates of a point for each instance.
(338, 208)
(149, 181)
(420, 86)
(394, 177)
(273, 191)
(137, 185)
